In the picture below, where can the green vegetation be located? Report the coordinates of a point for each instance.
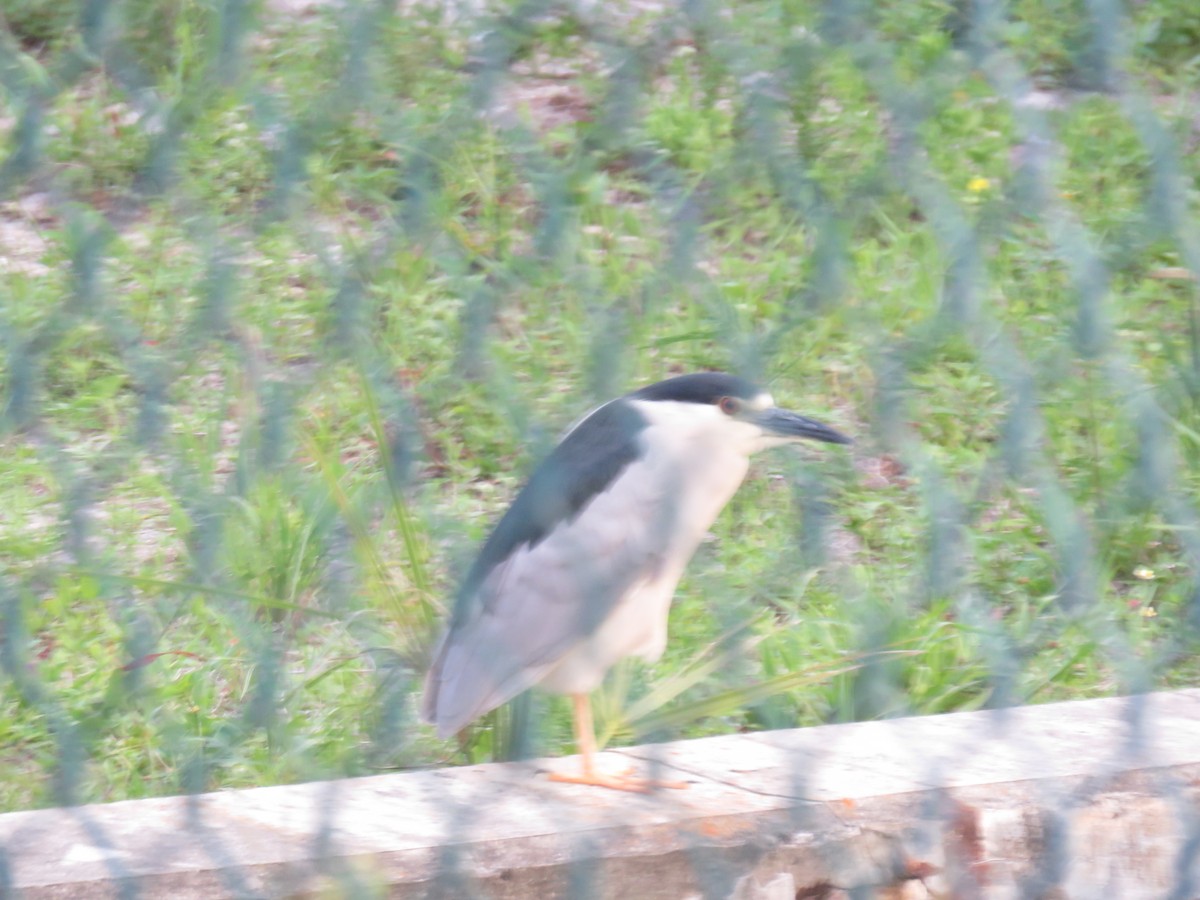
(289, 301)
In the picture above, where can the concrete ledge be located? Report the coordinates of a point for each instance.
(1084, 799)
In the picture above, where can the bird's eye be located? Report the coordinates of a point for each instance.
(729, 405)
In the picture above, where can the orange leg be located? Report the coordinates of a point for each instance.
(585, 739)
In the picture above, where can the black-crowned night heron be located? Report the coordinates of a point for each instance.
(579, 573)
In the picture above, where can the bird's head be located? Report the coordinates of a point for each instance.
(730, 408)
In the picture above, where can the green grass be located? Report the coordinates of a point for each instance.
(281, 344)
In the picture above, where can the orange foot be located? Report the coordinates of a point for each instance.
(622, 782)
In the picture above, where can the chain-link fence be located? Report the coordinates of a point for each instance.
(293, 295)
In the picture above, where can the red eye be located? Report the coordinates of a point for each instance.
(728, 405)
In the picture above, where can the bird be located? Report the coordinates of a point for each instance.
(580, 571)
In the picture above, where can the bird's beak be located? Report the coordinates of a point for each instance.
(781, 423)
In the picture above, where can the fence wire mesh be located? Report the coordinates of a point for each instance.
(293, 296)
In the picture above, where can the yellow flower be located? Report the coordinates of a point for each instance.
(1143, 573)
(978, 185)
(1149, 612)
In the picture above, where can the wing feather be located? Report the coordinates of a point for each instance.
(545, 597)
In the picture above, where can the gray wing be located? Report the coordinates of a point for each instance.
(546, 597)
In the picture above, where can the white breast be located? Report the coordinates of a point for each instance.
(689, 451)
